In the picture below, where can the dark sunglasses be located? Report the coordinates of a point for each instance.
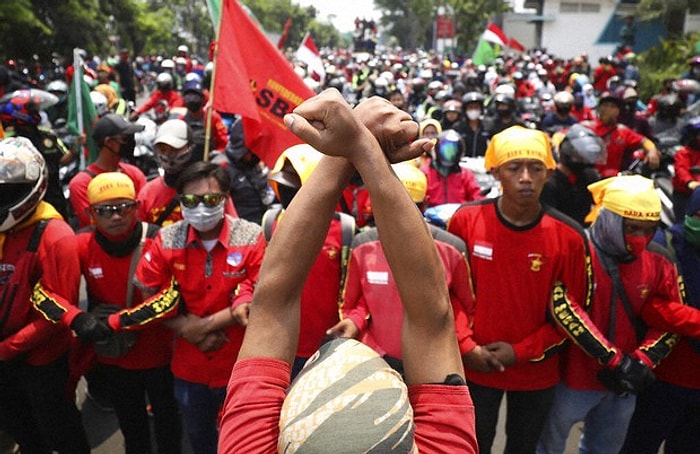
(107, 211)
(209, 200)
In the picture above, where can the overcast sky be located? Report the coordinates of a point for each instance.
(341, 13)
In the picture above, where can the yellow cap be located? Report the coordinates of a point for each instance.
(110, 185)
(518, 142)
(413, 180)
(630, 196)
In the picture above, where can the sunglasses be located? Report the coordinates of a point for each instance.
(107, 211)
(210, 200)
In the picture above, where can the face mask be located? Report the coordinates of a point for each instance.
(473, 114)
(201, 218)
(636, 244)
(691, 227)
(126, 150)
(503, 113)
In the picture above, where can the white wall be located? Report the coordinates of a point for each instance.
(566, 34)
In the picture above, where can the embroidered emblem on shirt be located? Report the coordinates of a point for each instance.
(96, 272)
(332, 253)
(234, 258)
(483, 250)
(536, 261)
(378, 277)
(179, 266)
(643, 292)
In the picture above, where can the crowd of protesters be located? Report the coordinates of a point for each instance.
(560, 298)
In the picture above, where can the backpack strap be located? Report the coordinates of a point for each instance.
(168, 209)
(35, 239)
(89, 172)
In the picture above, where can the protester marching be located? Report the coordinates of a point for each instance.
(139, 195)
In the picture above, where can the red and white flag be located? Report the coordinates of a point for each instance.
(308, 53)
(253, 79)
(515, 44)
(494, 34)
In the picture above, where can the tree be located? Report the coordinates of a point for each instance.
(670, 12)
(411, 22)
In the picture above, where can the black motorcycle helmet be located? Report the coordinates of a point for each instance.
(689, 133)
(581, 148)
(669, 106)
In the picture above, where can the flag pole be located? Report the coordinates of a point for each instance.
(77, 76)
(210, 103)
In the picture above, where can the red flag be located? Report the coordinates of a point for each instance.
(285, 34)
(253, 79)
(494, 34)
(515, 44)
(308, 53)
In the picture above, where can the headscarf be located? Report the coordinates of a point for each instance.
(518, 142)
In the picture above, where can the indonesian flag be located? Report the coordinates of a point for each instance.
(253, 79)
(308, 53)
(494, 34)
(515, 44)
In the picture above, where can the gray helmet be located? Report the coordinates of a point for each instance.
(581, 146)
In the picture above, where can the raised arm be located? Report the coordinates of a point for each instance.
(428, 326)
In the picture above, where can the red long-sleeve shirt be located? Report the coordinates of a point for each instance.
(514, 270)
(683, 161)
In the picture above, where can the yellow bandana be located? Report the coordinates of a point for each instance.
(518, 142)
(110, 185)
(630, 196)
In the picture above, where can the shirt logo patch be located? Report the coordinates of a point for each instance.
(643, 292)
(536, 261)
(96, 272)
(234, 258)
(378, 277)
(179, 266)
(483, 250)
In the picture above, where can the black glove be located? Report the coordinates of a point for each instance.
(90, 328)
(630, 376)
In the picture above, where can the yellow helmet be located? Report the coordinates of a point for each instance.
(294, 166)
(413, 179)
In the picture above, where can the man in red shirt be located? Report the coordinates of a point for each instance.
(141, 375)
(165, 91)
(115, 137)
(620, 141)
(518, 249)
(199, 274)
(158, 199)
(371, 304)
(261, 413)
(38, 269)
(319, 300)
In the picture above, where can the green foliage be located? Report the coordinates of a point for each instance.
(668, 59)
(411, 22)
(670, 12)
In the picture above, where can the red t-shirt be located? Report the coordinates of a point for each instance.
(514, 270)
(457, 187)
(443, 414)
(683, 161)
(620, 141)
(106, 282)
(370, 290)
(209, 282)
(78, 188)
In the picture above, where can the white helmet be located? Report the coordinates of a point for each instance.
(164, 81)
(23, 181)
(182, 48)
(100, 102)
(167, 64)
